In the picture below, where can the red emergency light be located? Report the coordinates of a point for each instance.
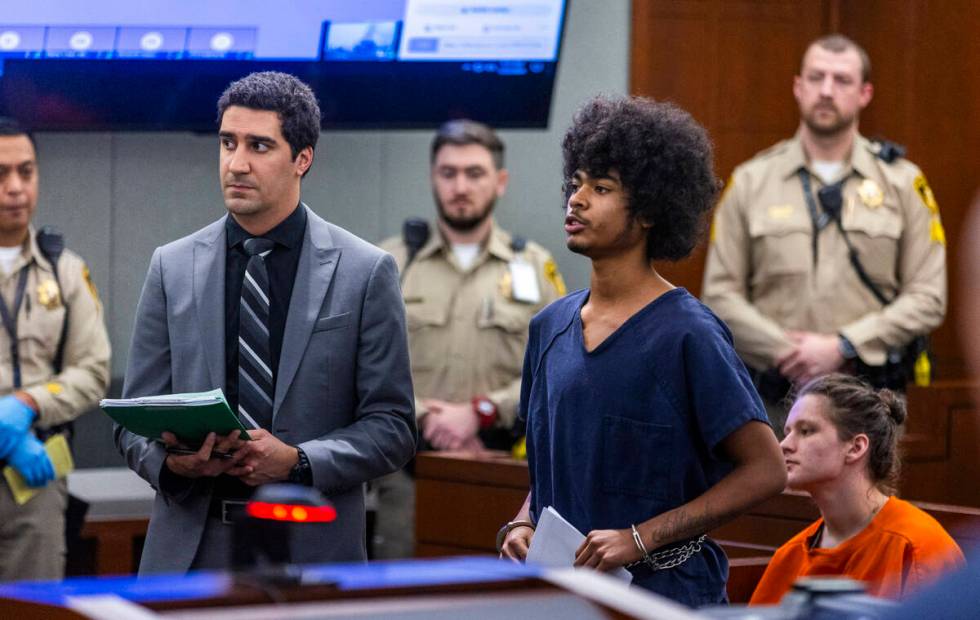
(292, 513)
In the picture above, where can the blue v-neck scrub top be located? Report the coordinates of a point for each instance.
(620, 434)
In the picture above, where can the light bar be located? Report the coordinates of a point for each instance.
(293, 513)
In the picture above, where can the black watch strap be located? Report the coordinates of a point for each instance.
(302, 471)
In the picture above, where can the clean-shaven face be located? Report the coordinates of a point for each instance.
(258, 172)
(813, 451)
(597, 219)
(18, 184)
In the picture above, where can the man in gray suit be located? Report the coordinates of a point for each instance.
(299, 321)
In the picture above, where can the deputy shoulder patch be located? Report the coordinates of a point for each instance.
(728, 187)
(713, 229)
(925, 193)
(937, 234)
(91, 285)
(552, 274)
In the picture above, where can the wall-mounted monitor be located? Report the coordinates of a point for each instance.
(161, 64)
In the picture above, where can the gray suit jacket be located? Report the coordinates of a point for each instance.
(343, 392)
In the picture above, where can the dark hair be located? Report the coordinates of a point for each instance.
(664, 161)
(9, 127)
(838, 43)
(462, 132)
(283, 94)
(856, 407)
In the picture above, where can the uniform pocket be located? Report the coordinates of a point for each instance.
(420, 315)
(38, 334)
(782, 255)
(636, 458)
(427, 334)
(504, 329)
(875, 234)
(780, 248)
(505, 315)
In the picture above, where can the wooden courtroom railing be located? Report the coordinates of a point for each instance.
(116, 545)
(941, 460)
(463, 498)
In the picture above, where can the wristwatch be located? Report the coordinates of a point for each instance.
(846, 349)
(485, 410)
(302, 471)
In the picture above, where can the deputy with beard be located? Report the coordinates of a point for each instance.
(780, 268)
(470, 290)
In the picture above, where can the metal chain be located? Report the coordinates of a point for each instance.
(669, 558)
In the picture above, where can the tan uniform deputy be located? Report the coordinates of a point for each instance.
(779, 270)
(468, 327)
(470, 290)
(764, 276)
(58, 368)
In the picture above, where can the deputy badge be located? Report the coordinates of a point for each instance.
(506, 285)
(48, 294)
(925, 193)
(870, 194)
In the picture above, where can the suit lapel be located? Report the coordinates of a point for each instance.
(314, 273)
(209, 299)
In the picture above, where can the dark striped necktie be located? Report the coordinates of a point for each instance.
(256, 383)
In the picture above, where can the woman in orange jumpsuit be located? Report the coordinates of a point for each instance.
(841, 447)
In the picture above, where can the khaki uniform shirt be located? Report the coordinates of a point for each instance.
(466, 332)
(763, 277)
(84, 376)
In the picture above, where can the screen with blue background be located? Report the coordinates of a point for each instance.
(161, 64)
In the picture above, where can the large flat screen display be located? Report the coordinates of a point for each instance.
(161, 64)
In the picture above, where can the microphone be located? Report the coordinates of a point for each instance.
(415, 232)
(831, 199)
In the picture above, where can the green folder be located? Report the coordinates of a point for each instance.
(188, 416)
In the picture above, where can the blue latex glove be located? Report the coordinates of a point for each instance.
(15, 420)
(30, 459)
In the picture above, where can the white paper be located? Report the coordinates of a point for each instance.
(188, 399)
(524, 282)
(555, 541)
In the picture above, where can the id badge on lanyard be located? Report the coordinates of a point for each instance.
(524, 282)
